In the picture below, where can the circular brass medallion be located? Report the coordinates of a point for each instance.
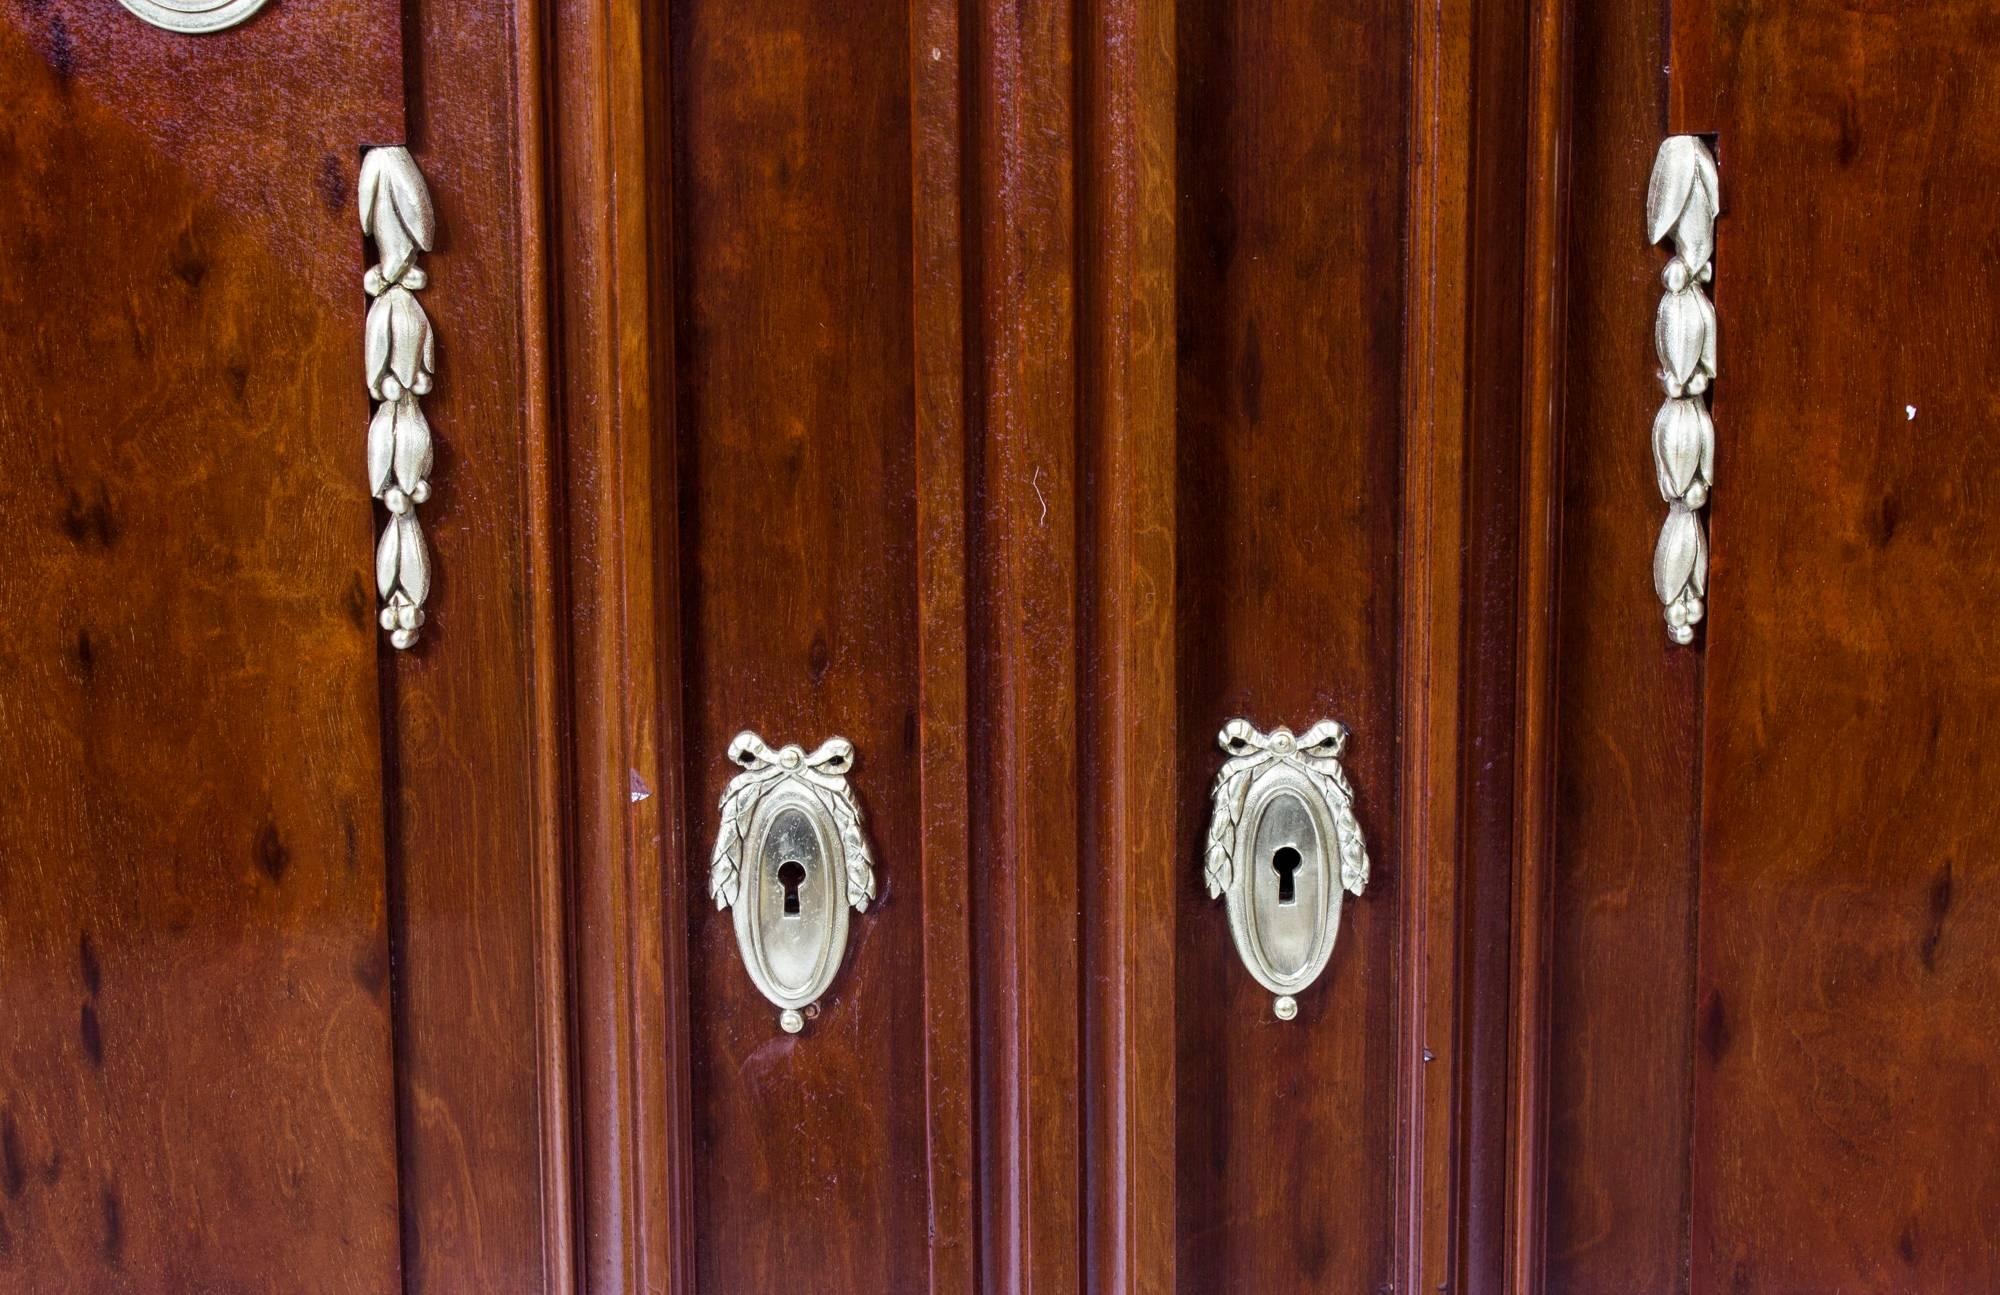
(193, 16)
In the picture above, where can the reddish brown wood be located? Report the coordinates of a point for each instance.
(1848, 992)
(937, 110)
(1126, 568)
(612, 328)
(797, 525)
(1023, 545)
(1291, 302)
(1622, 871)
(1430, 572)
(1544, 318)
(195, 1061)
(472, 718)
(1691, 62)
(1493, 710)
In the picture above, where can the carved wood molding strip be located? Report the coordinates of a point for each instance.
(396, 213)
(1682, 203)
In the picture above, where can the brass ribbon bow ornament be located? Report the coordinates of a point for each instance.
(1316, 754)
(824, 774)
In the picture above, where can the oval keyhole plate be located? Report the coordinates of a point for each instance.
(791, 861)
(1283, 846)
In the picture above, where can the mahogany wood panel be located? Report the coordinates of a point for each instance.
(612, 476)
(1431, 534)
(1849, 993)
(475, 806)
(1498, 185)
(195, 1069)
(1023, 537)
(1126, 431)
(1291, 299)
(938, 110)
(1545, 278)
(794, 415)
(1627, 757)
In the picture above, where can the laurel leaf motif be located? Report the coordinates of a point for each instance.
(1232, 785)
(413, 570)
(1708, 331)
(1331, 779)
(413, 452)
(725, 872)
(401, 350)
(1694, 234)
(388, 560)
(854, 845)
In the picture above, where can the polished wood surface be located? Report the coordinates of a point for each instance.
(1847, 998)
(1020, 391)
(474, 804)
(1126, 427)
(1772, 1021)
(196, 1060)
(1291, 311)
(1627, 755)
(797, 529)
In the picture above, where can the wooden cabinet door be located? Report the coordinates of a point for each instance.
(1020, 392)
(1046, 386)
(196, 1085)
(1772, 1061)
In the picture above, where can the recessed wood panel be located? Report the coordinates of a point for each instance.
(1290, 304)
(195, 1065)
(794, 418)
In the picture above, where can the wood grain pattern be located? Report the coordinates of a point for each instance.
(938, 109)
(195, 1071)
(1290, 307)
(1488, 219)
(1024, 586)
(1126, 570)
(471, 718)
(794, 415)
(1848, 993)
(1544, 307)
(1623, 873)
(614, 480)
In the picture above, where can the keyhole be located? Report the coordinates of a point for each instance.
(1286, 862)
(791, 875)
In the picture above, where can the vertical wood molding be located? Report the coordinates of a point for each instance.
(617, 574)
(1024, 783)
(1544, 322)
(1433, 534)
(541, 508)
(478, 799)
(1127, 431)
(938, 123)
